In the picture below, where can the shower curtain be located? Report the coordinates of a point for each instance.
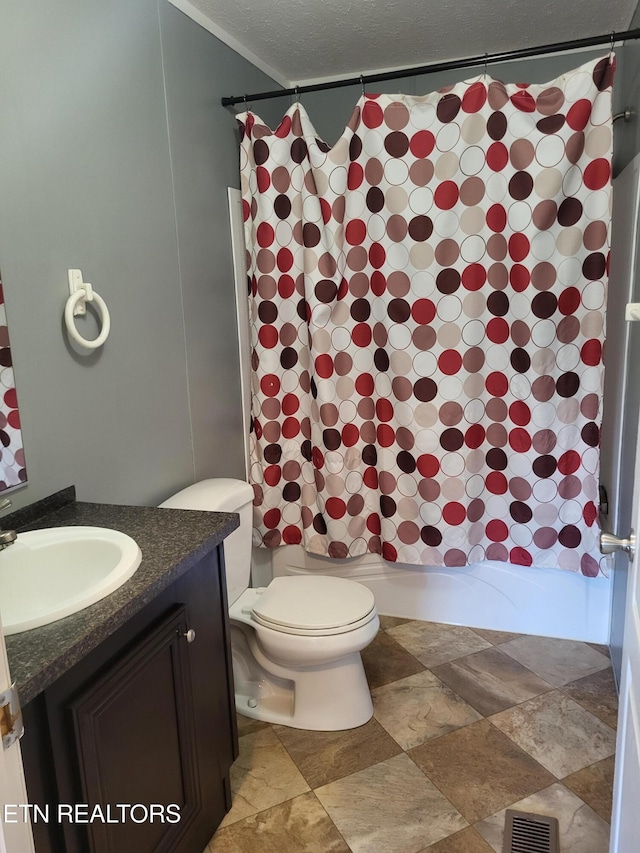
(427, 304)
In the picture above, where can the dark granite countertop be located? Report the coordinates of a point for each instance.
(171, 541)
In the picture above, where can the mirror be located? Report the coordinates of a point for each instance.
(12, 468)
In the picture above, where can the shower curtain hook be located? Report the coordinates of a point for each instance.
(297, 94)
(246, 105)
(613, 40)
(362, 85)
(486, 57)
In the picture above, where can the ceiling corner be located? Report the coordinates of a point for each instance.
(204, 21)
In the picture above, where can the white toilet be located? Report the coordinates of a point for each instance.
(296, 643)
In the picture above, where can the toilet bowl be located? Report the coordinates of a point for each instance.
(295, 643)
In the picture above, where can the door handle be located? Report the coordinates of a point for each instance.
(609, 544)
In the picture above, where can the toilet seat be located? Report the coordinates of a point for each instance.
(313, 606)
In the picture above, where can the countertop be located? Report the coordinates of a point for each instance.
(171, 541)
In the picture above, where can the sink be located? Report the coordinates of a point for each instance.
(49, 574)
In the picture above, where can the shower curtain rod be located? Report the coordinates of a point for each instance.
(485, 59)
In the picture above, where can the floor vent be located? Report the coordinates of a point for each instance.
(530, 833)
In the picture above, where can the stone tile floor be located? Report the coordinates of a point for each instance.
(466, 724)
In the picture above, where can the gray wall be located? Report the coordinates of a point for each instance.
(199, 70)
(105, 168)
(627, 83)
(627, 134)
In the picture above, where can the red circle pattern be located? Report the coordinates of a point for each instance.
(14, 471)
(427, 302)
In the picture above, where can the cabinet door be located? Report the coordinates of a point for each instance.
(136, 745)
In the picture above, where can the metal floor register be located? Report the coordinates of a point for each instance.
(530, 833)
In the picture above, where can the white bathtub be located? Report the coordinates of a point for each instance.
(499, 596)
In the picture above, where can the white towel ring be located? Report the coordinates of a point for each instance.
(87, 294)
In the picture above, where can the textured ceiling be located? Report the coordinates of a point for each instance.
(304, 40)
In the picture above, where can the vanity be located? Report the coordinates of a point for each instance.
(130, 727)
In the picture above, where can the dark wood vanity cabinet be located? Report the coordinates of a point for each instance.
(143, 727)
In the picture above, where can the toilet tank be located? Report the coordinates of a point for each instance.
(225, 495)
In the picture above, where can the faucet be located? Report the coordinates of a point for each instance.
(7, 537)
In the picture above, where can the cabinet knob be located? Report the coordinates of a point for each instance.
(190, 635)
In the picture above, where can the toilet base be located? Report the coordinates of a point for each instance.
(326, 698)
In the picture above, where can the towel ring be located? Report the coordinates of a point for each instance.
(87, 294)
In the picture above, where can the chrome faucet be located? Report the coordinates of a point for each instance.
(7, 537)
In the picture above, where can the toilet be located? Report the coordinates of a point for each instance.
(296, 643)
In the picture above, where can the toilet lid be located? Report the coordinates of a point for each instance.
(308, 603)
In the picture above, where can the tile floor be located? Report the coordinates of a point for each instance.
(466, 724)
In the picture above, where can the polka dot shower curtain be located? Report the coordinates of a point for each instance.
(427, 303)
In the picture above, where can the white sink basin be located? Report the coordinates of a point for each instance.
(48, 574)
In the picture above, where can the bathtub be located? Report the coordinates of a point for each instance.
(498, 596)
